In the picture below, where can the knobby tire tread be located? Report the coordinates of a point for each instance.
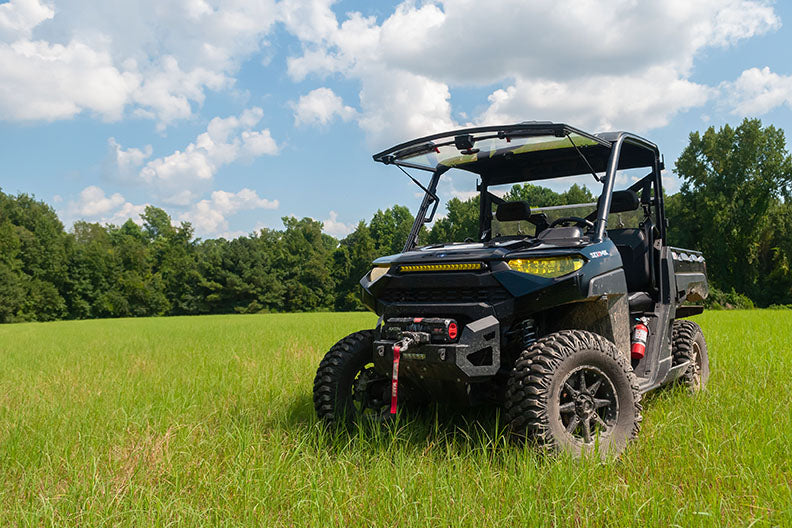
(328, 376)
(529, 387)
(683, 334)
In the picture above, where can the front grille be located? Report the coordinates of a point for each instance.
(445, 295)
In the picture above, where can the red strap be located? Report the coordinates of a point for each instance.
(395, 380)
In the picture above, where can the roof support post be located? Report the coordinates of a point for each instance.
(603, 207)
(605, 198)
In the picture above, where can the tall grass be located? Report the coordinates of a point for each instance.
(209, 421)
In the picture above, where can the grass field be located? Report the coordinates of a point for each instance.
(209, 421)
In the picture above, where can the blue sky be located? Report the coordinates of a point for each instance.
(233, 114)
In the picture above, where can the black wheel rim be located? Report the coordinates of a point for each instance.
(368, 392)
(588, 405)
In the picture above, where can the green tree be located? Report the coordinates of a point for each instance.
(304, 260)
(175, 276)
(577, 194)
(538, 196)
(35, 260)
(535, 195)
(240, 275)
(351, 260)
(460, 224)
(734, 179)
(94, 270)
(390, 228)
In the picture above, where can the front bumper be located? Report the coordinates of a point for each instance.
(475, 356)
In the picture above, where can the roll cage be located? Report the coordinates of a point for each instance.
(602, 153)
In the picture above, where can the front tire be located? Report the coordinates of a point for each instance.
(346, 386)
(572, 391)
(688, 344)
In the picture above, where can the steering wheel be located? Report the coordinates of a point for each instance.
(576, 220)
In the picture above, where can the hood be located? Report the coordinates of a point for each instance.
(481, 251)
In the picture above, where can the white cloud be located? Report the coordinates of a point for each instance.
(309, 20)
(180, 177)
(126, 212)
(627, 66)
(94, 205)
(209, 216)
(93, 202)
(400, 105)
(335, 228)
(395, 103)
(257, 143)
(742, 19)
(157, 59)
(19, 17)
(320, 107)
(227, 202)
(758, 91)
(562, 40)
(167, 92)
(600, 102)
(43, 81)
(125, 163)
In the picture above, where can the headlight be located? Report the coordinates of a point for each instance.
(377, 272)
(547, 266)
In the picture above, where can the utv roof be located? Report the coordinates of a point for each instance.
(521, 152)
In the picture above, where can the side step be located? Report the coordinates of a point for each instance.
(676, 371)
(673, 374)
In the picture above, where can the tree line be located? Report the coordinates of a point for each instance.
(733, 205)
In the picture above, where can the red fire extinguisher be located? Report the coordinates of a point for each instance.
(640, 334)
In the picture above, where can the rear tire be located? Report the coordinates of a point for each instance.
(346, 386)
(572, 391)
(688, 344)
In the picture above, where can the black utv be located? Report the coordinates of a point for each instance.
(563, 313)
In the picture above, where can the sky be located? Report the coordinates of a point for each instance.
(233, 114)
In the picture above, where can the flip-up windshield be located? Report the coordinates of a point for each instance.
(456, 152)
(485, 149)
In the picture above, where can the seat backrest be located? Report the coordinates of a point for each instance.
(513, 211)
(633, 247)
(624, 201)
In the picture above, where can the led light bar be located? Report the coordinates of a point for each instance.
(462, 266)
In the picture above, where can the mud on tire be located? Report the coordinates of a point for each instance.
(571, 391)
(688, 344)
